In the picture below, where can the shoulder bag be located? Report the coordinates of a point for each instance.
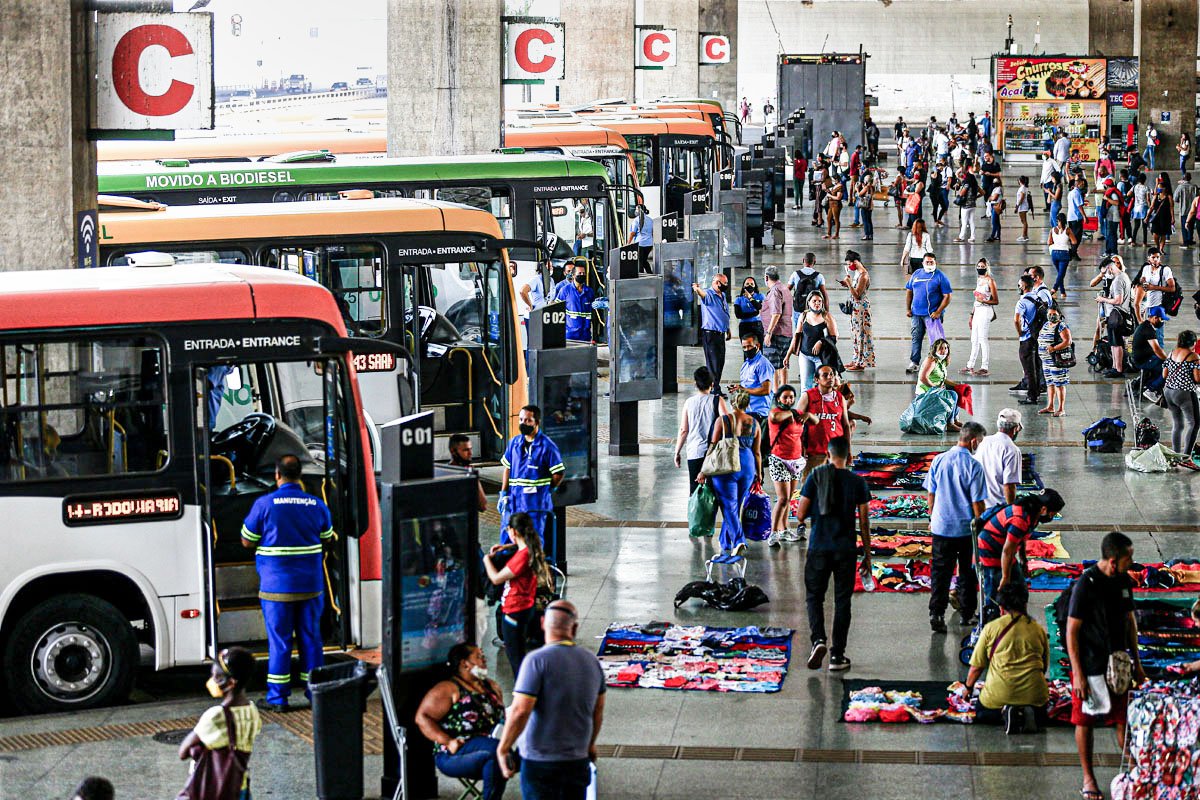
(218, 774)
(723, 457)
(1065, 358)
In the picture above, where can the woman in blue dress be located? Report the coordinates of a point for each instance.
(732, 489)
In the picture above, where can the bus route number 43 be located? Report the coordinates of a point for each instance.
(374, 362)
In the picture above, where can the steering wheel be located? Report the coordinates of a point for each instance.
(244, 441)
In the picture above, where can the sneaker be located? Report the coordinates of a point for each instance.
(1112, 373)
(969, 619)
(796, 535)
(838, 663)
(971, 241)
(1152, 396)
(740, 550)
(911, 368)
(937, 624)
(817, 655)
(1030, 719)
(1012, 720)
(278, 708)
(1022, 238)
(773, 539)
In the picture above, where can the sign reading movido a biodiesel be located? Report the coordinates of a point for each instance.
(270, 177)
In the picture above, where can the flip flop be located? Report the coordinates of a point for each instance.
(1091, 794)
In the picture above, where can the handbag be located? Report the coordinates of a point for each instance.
(913, 204)
(723, 457)
(1119, 675)
(218, 774)
(846, 307)
(1065, 358)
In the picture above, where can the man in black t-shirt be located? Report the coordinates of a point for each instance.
(834, 497)
(989, 170)
(1100, 622)
(1148, 355)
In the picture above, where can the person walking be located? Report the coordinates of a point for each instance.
(996, 206)
(916, 244)
(287, 530)
(1100, 624)
(756, 377)
(747, 307)
(1003, 532)
(825, 415)
(838, 502)
(1054, 192)
(779, 320)
(799, 173)
(714, 325)
(1181, 374)
(1141, 207)
(833, 213)
(1054, 337)
(1076, 202)
(1184, 198)
(956, 492)
(817, 329)
(865, 202)
(913, 197)
(983, 313)
(232, 725)
(700, 413)
(1060, 241)
(459, 714)
(1028, 321)
(1000, 458)
(1116, 304)
(803, 282)
(1184, 148)
(533, 467)
(897, 190)
(785, 463)
(557, 712)
(1023, 206)
(521, 576)
(641, 232)
(731, 489)
(1151, 145)
(858, 281)
(926, 296)
(1161, 216)
(966, 196)
(1109, 213)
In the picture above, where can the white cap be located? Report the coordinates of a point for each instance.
(1008, 417)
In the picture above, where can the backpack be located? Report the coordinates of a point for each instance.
(1105, 435)
(1062, 607)
(1172, 301)
(805, 285)
(1040, 310)
(1145, 434)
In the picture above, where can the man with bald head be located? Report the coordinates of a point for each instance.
(558, 703)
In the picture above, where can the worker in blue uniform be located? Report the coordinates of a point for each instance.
(287, 530)
(532, 468)
(579, 298)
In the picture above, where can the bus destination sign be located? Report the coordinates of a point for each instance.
(374, 362)
(110, 508)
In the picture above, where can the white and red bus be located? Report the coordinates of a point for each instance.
(141, 413)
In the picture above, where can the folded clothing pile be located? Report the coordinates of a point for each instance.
(874, 704)
(908, 470)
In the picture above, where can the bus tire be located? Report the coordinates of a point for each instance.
(70, 652)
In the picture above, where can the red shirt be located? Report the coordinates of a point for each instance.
(829, 413)
(521, 588)
(787, 438)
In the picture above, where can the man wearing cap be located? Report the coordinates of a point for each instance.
(1003, 532)
(1148, 355)
(1000, 458)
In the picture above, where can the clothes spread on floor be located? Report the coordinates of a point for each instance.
(660, 655)
(1043, 574)
(1167, 636)
(949, 704)
(1162, 759)
(887, 543)
(908, 470)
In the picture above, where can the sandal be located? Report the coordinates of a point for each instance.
(966, 371)
(1046, 410)
(1091, 794)
(981, 373)
(1059, 414)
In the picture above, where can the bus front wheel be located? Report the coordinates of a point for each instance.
(69, 652)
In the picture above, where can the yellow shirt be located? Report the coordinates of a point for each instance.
(213, 733)
(1017, 671)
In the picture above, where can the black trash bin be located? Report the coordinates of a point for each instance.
(339, 700)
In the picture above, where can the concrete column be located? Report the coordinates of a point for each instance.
(443, 76)
(1110, 27)
(681, 80)
(47, 166)
(1167, 82)
(599, 50)
(719, 81)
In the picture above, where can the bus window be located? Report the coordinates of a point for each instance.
(581, 223)
(496, 202)
(191, 257)
(641, 160)
(82, 408)
(353, 272)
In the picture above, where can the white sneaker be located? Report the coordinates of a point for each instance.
(971, 241)
(911, 368)
(796, 535)
(773, 539)
(1022, 238)
(1153, 397)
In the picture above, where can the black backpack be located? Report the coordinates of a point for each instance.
(1145, 434)
(805, 285)
(1106, 435)
(1172, 301)
(1040, 310)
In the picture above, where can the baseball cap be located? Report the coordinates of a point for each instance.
(1008, 417)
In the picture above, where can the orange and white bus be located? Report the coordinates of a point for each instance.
(141, 413)
(248, 147)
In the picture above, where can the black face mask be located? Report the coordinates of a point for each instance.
(982, 271)
(526, 430)
(749, 354)
(579, 279)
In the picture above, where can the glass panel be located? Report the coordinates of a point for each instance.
(677, 294)
(433, 588)
(495, 201)
(353, 272)
(580, 224)
(566, 416)
(192, 257)
(76, 409)
(637, 355)
(641, 161)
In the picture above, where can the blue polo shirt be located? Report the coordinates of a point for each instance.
(754, 373)
(1075, 205)
(928, 289)
(714, 311)
(530, 465)
(579, 310)
(288, 526)
(643, 234)
(1026, 309)
(956, 479)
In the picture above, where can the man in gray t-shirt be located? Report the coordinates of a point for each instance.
(558, 703)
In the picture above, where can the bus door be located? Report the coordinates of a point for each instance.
(647, 161)
(584, 229)
(249, 414)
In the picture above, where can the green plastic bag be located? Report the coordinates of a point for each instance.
(702, 511)
(930, 412)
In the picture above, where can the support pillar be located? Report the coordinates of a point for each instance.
(1110, 27)
(48, 166)
(681, 80)
(719, 81)
(599, 50)
(443, 77)
(1167, 82)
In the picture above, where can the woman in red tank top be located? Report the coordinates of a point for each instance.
(786, 462)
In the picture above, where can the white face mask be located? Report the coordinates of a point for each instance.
(929, 267)
(480, 672)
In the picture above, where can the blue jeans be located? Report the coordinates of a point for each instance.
(1110, 237)
(995, 225)
(989, 580)
(1061, 260)
(918, 336)
(1148, 155)
(808, 370)
(555, 780)
(1187, 228)
(1055, 210)
(868, 223)
(731, 491)
(476, 760)
(1152, 378)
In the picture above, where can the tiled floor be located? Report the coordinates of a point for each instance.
(632, 573)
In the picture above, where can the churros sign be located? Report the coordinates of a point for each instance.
(1050, 79)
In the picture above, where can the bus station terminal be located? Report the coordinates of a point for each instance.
(659, 399)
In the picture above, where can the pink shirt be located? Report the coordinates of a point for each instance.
(778, 300)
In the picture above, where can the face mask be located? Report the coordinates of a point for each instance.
(784, 406)
(829, 396)
(929, 267)
(214, 688)
(981, 271)
(526, 430)
(579, 279)
(480, 672)
(749, 354)
(852, 267)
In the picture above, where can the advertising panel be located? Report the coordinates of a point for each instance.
(1062, 78)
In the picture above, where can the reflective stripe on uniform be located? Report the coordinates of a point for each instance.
(327, 534)
(558, 468)
(249, 535)
(530, 481)
(304, 676)
(278, 678)
(579, 314)
(308, 550)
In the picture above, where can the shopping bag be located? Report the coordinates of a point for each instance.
(935, 329)
(929, 412)
(592, 791)
(702, 511)
(756, 517)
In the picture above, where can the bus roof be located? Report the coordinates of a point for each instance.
(73, 298)
(137, 177)
(231, 148)
(252, 221)
(649, 125)
(578, 134)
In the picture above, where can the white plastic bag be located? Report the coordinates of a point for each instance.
(592, 791)
(1152, 459)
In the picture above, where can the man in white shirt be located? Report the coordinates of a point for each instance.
(1062, 147)
(1155, 279)
(1050, 165)
(1000, 458)
(941, 143)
